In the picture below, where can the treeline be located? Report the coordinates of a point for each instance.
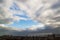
(48, 37)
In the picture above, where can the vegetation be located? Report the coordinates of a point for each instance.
(48, 37)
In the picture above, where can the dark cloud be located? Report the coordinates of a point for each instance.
(4, 31)
(1, 1)
(56, 5)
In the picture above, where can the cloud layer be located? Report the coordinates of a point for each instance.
(7, 15)
(43, 11)
(36, 27)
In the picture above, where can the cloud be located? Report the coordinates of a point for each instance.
(9, 30)
(35, 27)
(3, 14)
(2, 26)
(45, 11)
(6, 16)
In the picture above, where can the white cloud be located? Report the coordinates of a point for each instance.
(44, 11)
(6, 16)
(2, 25)
(10, 28)
(38, 26)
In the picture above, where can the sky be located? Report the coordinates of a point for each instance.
(30, 14)
(23, 23)
(15, 16)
